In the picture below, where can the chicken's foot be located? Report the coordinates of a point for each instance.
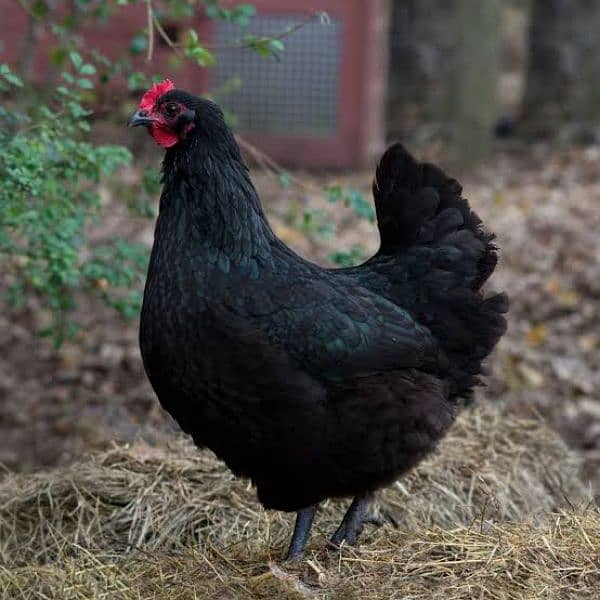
(357, 515)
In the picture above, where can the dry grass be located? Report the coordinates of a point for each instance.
(491, 515)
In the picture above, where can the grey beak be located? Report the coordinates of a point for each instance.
(138, 118)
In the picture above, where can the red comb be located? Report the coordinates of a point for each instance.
(155, 92)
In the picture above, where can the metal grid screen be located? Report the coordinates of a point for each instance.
(297, 95)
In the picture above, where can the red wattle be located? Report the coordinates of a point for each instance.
(162, 136)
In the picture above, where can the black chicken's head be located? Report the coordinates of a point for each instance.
(171, 115)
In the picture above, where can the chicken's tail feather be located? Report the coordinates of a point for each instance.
(417, 203)
(437, 255)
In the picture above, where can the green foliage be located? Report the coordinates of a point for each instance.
(317, 221)
(239, 14)
(120, 287)
(353, 199)
(361, 208)
(265, 46)
(9, 78)
(285, 180)
(51, 168)
(200, 55)
(348, 258)
(49, 194)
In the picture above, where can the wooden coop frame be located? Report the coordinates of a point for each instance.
(346, 62)
(356, 97)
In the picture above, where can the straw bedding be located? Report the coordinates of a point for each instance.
(498, 512)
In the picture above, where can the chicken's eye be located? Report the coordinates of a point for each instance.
(172, 108)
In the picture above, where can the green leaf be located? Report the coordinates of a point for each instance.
(348, 258)
(353, 199)
(14, 79)
(201, 56)
(39, 9)
(137, 81)
(138, 45)
(212, 11)
(88, 69)
(10, 76)
(192, 38)
(242, 14)
(85, 84)
(285, 180)
(76, 59)
(58, 56)
(276, 46)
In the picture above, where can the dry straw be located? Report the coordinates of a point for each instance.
(498, 512)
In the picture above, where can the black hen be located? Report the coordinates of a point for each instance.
(312, 382)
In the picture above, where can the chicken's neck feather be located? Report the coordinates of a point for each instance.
(209, 194)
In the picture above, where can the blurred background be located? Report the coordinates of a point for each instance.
(503, 93)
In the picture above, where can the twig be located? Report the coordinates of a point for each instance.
(322, 16)
(272, 167)
(26, 8)
(150, 17)
(165, 36)
(265, 161)
(318, 14)
(242, 43)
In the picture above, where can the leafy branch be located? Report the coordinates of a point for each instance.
(203, 53)
(50, 168)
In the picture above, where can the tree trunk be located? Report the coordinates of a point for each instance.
(563, 83)
(474, 79)
(420, 42)
(443, 72)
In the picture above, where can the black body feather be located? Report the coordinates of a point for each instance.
(312, 382)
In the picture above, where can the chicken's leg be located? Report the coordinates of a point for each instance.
(304, 521)
(357, 515)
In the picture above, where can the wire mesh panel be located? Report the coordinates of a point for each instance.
(318, 106)
(295, 94)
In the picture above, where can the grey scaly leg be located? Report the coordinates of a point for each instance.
(304, 521)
